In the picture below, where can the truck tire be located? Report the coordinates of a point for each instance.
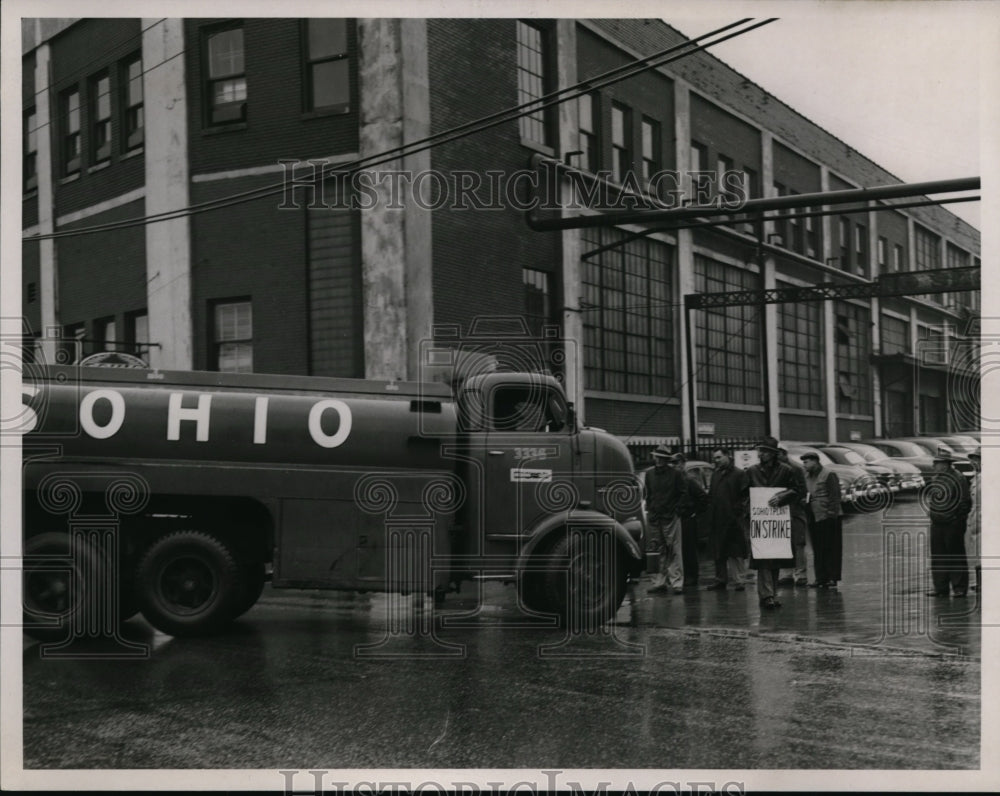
(189, 583)
(252, 575)
(577, 582)
(54, 592)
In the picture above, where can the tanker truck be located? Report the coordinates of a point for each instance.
(179, 494)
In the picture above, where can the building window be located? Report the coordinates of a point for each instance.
(882, 246)
(812, 236)
(727, 338)
(751, 183)
(928, 249)
(587, 107)
(699, 164)
(800, 354)
(628, 315)
(328, 84)
(232, 337)
(106, 332)
(845, 244)
(895, 335)
(723, 166)
(650, 148)
(537, 299)
(898, 260)
(621, 140)
(532, 81)
(226, 88)
(100, 118)
(853, 344)
(70, 117)
(860, 250)
(71, 346)
(137, 333)
(30, 139)
(132, 113)
(932, 346)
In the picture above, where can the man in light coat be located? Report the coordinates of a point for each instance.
(825, 524)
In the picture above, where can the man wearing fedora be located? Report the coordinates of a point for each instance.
(948, 505)
(665, 493)
(770, 472)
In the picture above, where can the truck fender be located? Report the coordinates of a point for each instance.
(555, 523)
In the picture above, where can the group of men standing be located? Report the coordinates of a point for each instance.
(673, 500)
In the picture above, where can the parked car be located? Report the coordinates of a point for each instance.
(961, 444)
(854, 481)
(906, 475)
(886, 476)
(920, 455)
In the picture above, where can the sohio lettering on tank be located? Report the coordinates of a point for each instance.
(200, 416)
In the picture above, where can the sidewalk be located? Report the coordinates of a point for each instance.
(881, 602)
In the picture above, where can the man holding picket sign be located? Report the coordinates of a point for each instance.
(773, 489)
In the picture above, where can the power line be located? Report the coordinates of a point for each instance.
(455, 133)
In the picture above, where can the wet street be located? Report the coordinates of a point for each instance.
(873, 676)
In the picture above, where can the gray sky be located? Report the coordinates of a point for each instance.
(899, 82)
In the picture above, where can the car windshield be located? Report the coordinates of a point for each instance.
(907, 448)
(869, 452)
(854, 458)
(823, 458)
(935, 446)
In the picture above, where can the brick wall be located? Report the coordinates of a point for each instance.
(733, 422)
(633, 418)
(31, 310)
(80, 52)
(647, 94)
(803, 428)
(478, 254)
(252, 250)
(102, 274)
(276, 126)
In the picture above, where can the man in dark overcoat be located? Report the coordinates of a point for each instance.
(770, 472)
(727, 497)
(800, 522)
(948, 505)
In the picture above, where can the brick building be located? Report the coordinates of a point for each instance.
(131, 118)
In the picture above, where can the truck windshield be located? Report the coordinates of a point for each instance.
(528, 408)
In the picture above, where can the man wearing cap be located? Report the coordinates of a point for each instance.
(975, 522)
(948, 505)
(665, 490)
(825, 525)
(772, 473)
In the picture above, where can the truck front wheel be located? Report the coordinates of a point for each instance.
(583, 579)
(189, 583)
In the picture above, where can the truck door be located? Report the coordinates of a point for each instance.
(530, 455)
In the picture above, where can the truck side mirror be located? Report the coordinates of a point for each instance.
(571, 416)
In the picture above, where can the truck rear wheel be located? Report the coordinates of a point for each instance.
(583, 580)
(189, 584)
(57, 584)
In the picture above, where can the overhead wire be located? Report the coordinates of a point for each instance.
(468, 128)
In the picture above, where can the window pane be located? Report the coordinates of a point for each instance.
(586, 110)
(617, 126)
(135, 82)
(230, 91)
(225, 53)
(647, 140)
(327, 37)
(73, 112)
(330, 83)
